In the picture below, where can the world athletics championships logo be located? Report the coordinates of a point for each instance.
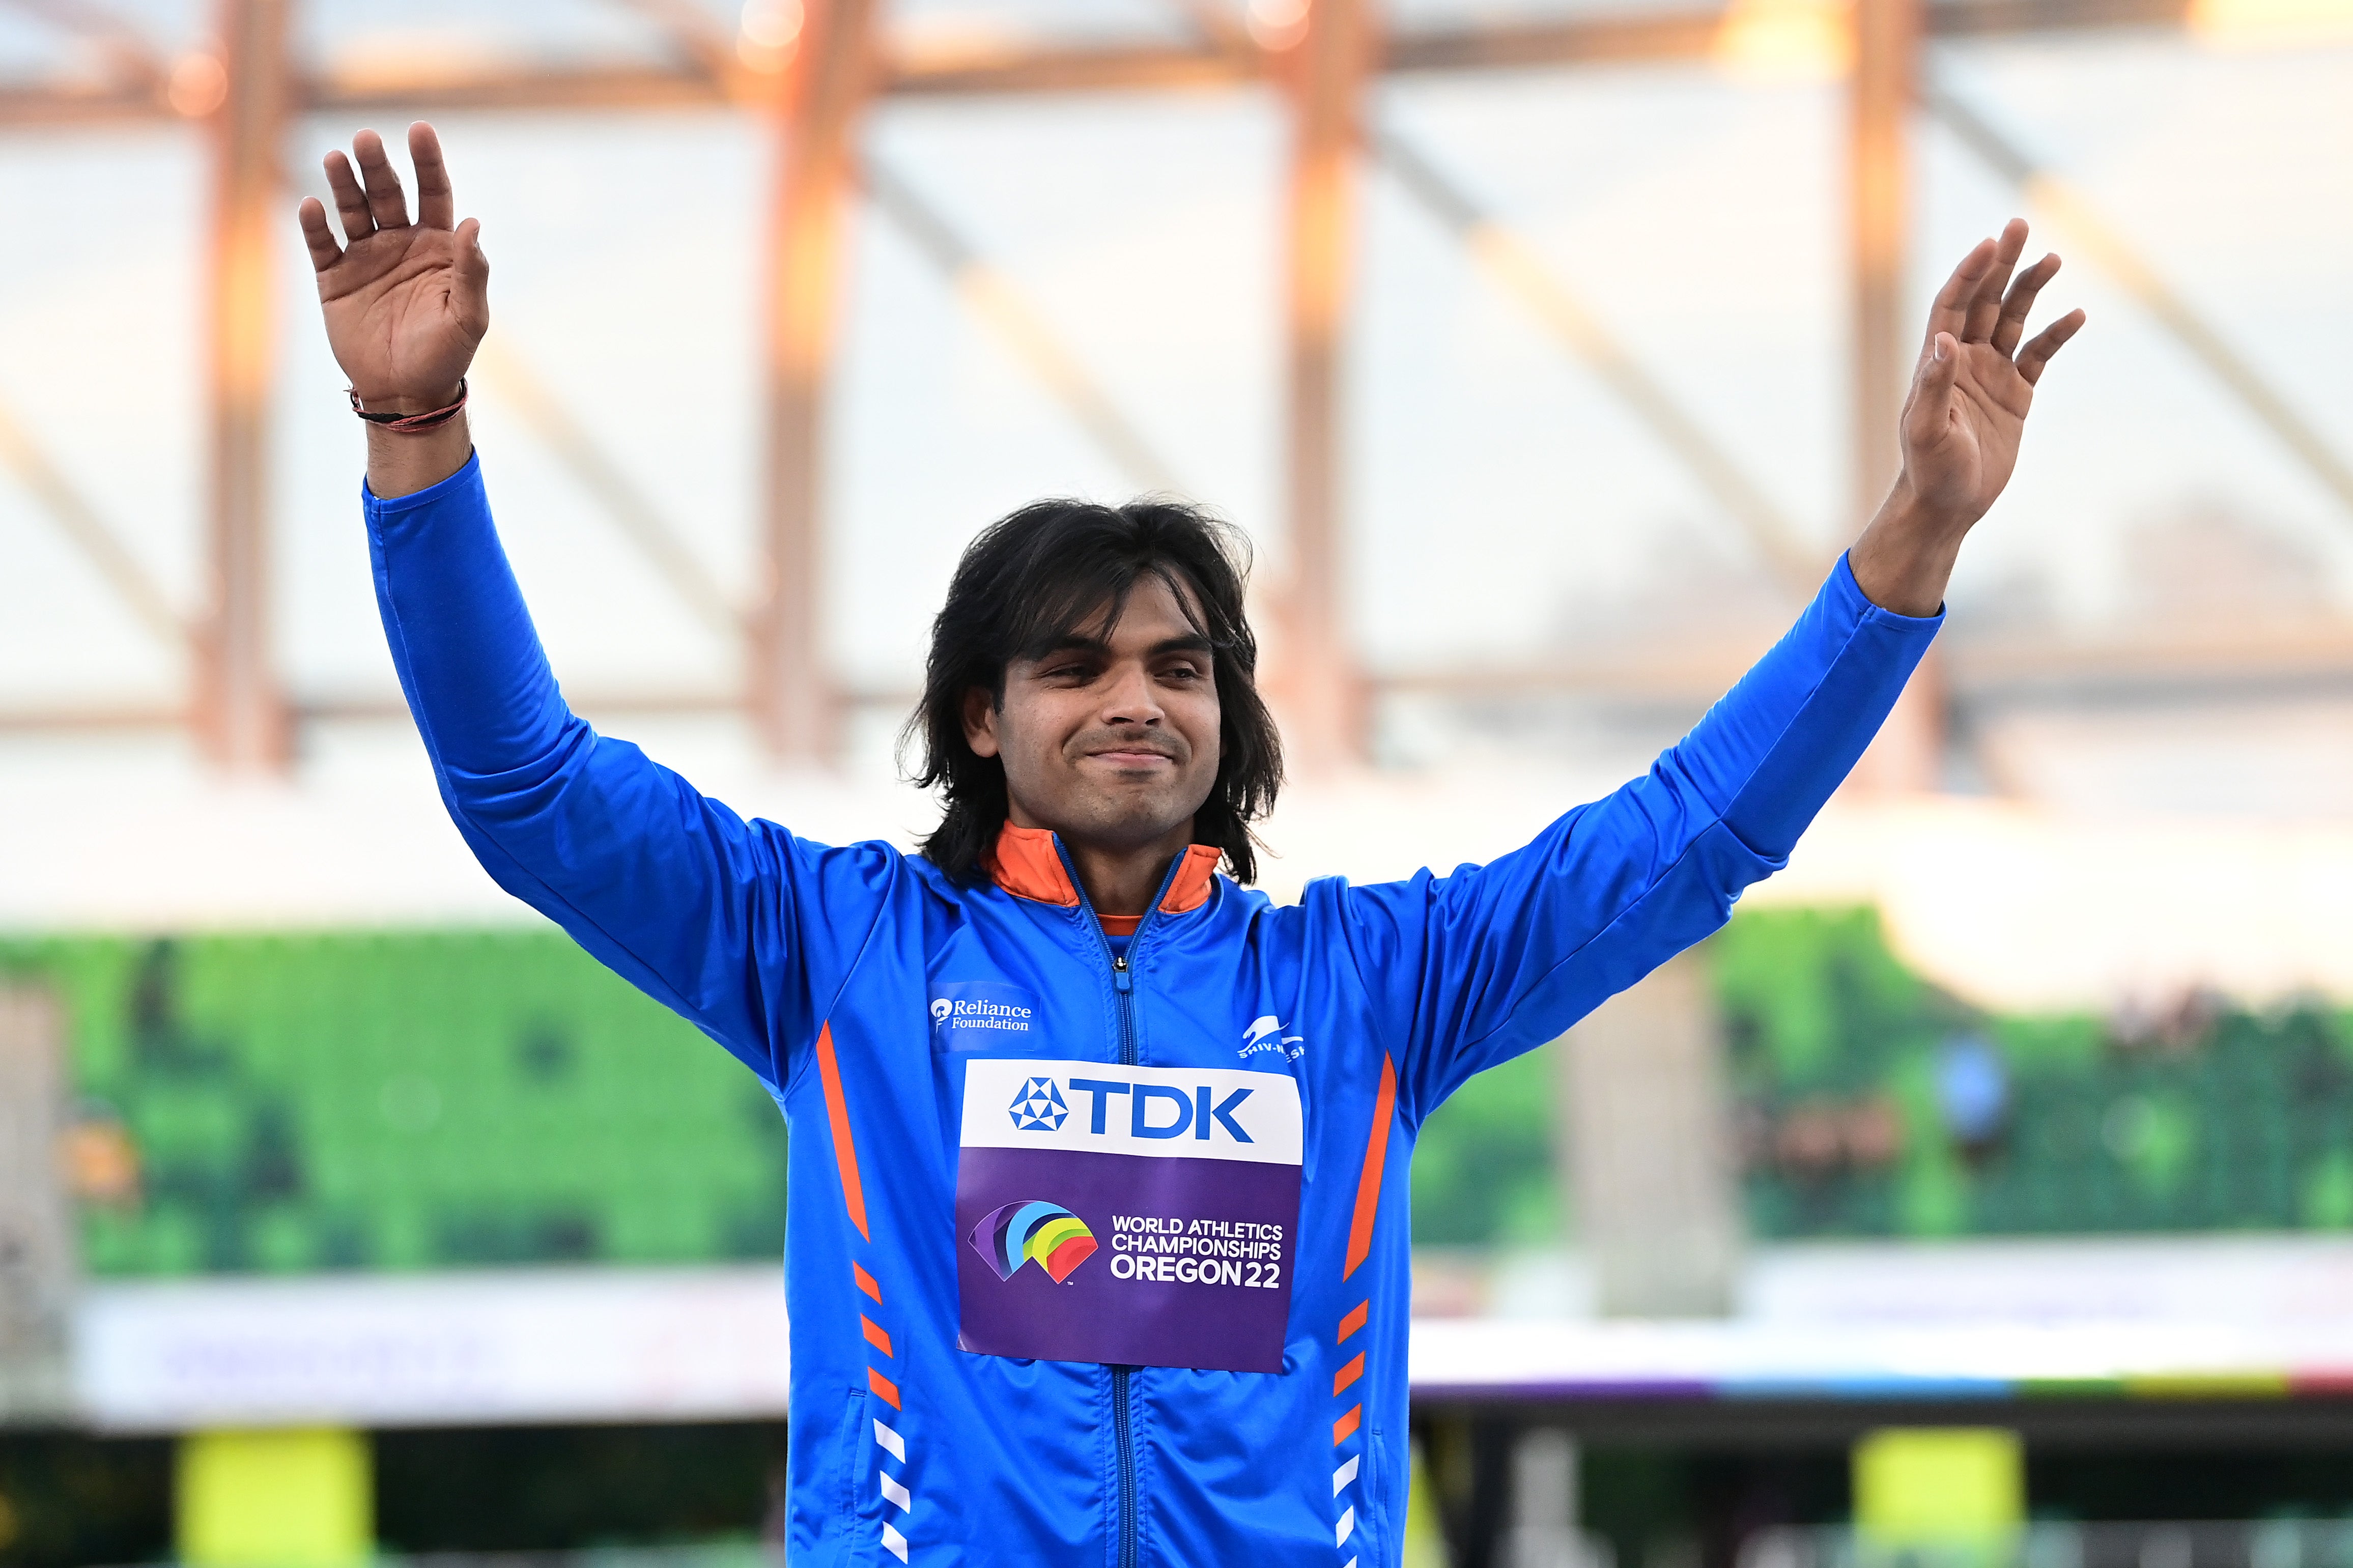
(1039, 1107)
(1033, 1230)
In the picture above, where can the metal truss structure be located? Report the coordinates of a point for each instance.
(813, 69)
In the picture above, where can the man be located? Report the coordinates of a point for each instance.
(1098, 1250)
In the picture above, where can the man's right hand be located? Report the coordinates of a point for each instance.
(407, 303)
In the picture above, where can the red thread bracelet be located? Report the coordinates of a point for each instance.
(410, 424)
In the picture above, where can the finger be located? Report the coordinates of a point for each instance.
(1985, 305)
(385, 199)
(470, 283)
(437, 207)
(2046, 342)
(2018, 303)
(350, 201)
(1951, 311)
(317, 235)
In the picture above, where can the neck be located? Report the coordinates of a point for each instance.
(1118, 879)
(1122, 882)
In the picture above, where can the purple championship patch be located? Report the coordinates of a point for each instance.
(1142, 1217)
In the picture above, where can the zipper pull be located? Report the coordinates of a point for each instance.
(1118, 975)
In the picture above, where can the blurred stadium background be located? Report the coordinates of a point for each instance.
(1982, 1193)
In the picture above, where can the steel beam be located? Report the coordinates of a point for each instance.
(1908, 756)
(825, 91)
(1323, 72)
(1629, 37)
(240, 718)
(1879, 217)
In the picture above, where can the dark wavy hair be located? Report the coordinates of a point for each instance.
(1048, 572)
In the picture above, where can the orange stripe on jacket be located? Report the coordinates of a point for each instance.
(837, 1113)
(884, 1389)
(1368, 1182)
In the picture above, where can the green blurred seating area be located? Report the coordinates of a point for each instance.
(455, 1100)
(1872, 1104)
(1869, 1103)
(397, 1101)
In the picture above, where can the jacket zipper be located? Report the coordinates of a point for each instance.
(1122, 980)
(1122, 1419)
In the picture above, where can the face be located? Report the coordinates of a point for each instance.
(1110, 739)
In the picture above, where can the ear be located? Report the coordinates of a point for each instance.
(980, 722)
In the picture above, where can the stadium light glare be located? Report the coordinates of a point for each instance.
(2236, 24)
(766, 34)
(1277, 23)
(1786, 42)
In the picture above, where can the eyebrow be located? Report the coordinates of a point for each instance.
(1078, 642)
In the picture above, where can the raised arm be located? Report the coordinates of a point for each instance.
(1478, 966)
(739, 926)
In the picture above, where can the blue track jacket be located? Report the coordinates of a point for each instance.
(1097, 1260)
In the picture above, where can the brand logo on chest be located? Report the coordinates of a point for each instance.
(985, 1015)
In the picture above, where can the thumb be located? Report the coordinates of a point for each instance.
(469, 284)
(1932, 389)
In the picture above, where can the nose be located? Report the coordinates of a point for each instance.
(1129, 696)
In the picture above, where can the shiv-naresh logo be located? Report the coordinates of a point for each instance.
(1033, 1231)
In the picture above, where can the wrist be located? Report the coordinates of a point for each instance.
(1912, 516)
(402, 465)
(1907, 555)
(404, 405)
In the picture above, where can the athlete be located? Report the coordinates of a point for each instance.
(1098, 1249)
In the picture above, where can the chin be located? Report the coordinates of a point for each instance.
(1122, 817)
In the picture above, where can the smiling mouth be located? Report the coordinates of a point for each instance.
(1133, 758)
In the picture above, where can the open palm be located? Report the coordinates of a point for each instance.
(406, 304)
(1970, 396)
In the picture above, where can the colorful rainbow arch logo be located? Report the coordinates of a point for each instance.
(1056, 1239)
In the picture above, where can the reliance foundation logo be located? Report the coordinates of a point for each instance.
(1033, 1231)
(982, 1015)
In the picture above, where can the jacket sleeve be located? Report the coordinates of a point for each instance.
(742, 929)
(1476, 967)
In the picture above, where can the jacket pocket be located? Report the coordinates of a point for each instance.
(854, 1463)
(1375, 1527)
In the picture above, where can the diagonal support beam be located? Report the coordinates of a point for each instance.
(2115, 255)
(515, 383)
(132, 58)
(1514, 265)
(696, 32)
(89, 533)
(992, 297)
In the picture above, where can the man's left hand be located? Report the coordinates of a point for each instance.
(1961, 423)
